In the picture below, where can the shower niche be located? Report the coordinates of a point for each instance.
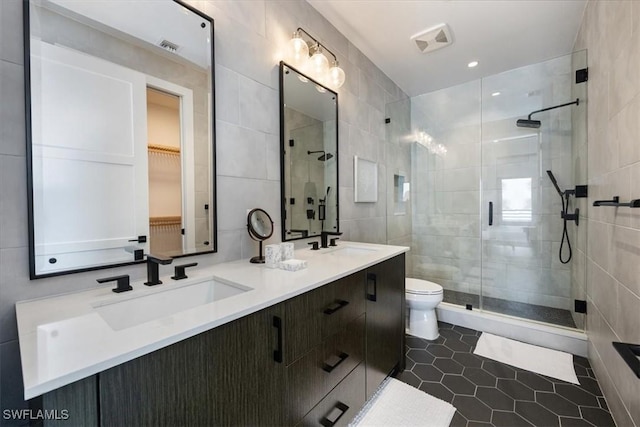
(309, 155)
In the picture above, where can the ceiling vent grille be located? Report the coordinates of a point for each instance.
(167, 45)
(432, 39)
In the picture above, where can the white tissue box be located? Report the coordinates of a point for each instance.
(293, 264)
(287, 251)
(272, 255)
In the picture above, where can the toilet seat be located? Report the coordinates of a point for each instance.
(422, 287)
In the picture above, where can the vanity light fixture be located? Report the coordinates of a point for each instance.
(298, 51)
(317, 65)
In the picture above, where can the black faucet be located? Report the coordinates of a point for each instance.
(178, 272)
(123, 283)
(153, 273)
(324, 237)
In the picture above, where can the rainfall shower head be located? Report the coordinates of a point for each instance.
(526, 123)
(325, 156)
(535, 124)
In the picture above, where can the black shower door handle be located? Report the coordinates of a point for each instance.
(490, 213)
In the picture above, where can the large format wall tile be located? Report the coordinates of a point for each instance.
(611, 31)
(12, 131)
(11, 31)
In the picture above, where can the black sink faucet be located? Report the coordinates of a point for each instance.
(153, 269)
(324, 237)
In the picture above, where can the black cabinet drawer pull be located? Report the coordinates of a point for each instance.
(334, 415)
(333, 362)
(335, 306)
(277, 354)
(371, 278)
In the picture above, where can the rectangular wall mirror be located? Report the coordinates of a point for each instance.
(309, 152)
(120, 136)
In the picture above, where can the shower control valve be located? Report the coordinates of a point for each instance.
(571, 217)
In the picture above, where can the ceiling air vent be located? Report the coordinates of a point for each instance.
(432, 39)
(167, 45)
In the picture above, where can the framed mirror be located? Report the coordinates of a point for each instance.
(309, 152)
(120, 134)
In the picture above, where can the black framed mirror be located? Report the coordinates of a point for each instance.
(120, 132)
(309, 155)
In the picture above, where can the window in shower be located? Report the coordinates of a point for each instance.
(516, 201)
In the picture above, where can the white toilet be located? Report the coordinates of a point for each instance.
(422, 299)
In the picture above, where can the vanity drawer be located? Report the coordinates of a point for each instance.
(317, 314)
(340, 406)
(315, 374)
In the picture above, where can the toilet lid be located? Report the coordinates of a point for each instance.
(422, 287)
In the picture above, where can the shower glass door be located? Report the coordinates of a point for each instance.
(454, 154)
(520, 209)
(445, 192)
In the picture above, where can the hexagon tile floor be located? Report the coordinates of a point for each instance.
(490, 393)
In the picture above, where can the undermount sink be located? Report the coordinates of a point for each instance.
(350, 250)
(135, 311)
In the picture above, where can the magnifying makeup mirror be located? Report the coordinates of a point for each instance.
(260, 227)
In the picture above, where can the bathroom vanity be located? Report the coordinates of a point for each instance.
(283, 348)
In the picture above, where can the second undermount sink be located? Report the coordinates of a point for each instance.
(351, 250)
(135, 311)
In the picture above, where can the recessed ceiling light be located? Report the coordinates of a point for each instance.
(495, 94)
(472, 64)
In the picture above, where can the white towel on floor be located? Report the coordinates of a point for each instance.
(544, 361)
(398, 404)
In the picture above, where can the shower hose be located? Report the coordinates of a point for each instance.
(565, 233)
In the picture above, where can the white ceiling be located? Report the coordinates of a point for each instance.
(500, 34)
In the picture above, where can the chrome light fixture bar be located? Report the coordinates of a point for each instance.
(309, 58)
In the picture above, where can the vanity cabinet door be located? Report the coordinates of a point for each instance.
(245, 379)
(226, 376)
(385, 293)
(163, 388)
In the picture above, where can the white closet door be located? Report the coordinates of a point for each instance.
(89, 159)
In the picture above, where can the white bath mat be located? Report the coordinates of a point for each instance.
(544, 361)
(398, 404)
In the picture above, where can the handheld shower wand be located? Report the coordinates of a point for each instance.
(564, 197)
(555, 183)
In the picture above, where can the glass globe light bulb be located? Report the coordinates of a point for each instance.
(336, 76)
(297, 51)
(319, 65)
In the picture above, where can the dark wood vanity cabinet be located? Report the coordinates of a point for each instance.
(324, 342)
(385, 320)
(311, 360)
(225, 376)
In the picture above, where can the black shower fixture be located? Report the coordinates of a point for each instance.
(580, 191)
(323, 157)
(535, 124)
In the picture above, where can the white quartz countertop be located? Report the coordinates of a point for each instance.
(69, 337)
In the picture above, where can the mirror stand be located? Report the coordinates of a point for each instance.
(260, 258)
(260, 228)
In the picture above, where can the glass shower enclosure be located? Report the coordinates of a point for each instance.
(472, 187)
